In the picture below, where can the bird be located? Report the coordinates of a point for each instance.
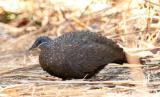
(77, 54)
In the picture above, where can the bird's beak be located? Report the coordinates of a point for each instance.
(32, 47)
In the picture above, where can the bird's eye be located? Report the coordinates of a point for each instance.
(40, 41)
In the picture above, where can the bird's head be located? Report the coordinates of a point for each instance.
(40, 42)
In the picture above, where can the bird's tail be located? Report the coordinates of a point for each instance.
(122, 60)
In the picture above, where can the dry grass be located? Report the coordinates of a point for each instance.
(134, 24)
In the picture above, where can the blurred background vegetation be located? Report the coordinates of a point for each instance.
(133, 24)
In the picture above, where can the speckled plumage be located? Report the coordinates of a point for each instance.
(78, 54)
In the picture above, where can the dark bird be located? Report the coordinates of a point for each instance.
(77, 55)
